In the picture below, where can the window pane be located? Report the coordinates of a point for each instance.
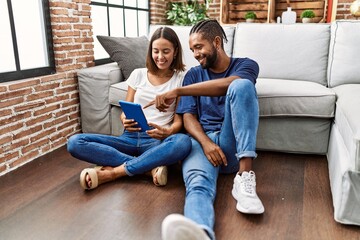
(117, 2)
(131, 23)
(7, 59)
(130, 3)
(30, 33)
(116, 22)
(143, 23)
(143, 4)
(100, 1)
(100, 27)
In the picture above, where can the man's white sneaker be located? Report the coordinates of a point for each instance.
(178, 227)
(244, 192)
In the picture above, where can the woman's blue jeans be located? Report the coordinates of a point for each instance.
(136, 150)
(237, 139)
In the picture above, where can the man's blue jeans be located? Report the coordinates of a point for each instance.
(237, 139)
(138, 151)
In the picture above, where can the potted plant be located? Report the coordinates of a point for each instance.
(307, 16)
(250, 17)
(187, 13)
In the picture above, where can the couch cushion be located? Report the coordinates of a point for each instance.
(347, 119)
(281, 98)
(285, 51)
(128, 52)
(344, 58)
(94, 85)
(117, 92)
(183, 34)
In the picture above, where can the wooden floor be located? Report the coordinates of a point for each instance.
(43, 200)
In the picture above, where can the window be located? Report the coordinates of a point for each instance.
(118, 18)
(25, 39)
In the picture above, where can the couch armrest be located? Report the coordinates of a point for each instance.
(94, 85)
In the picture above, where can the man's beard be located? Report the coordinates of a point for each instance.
(210, 59)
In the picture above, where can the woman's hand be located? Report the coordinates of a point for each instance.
(129, 124)
(158, 132)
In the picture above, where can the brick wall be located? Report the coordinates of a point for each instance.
(37, 115)
(343, 9)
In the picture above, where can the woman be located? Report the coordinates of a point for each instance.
(137, 152)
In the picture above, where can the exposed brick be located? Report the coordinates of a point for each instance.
(28, 132)
(42, 134)
(14, 94)
(3, 89)
(24, 84)
(37, 120)
(11, 102)
(53, 77)
(28, 106)
(5, 139)
(35, 145)
(71, 103)
(25, 158)
(11, 128)
(3, 168)
(10, 156)
(45, 87)
(57, 99)
(16, 144)
(14, 118)
(66, 89)
(53, 123)
(5, 112)
(59, 142)
(46, 110)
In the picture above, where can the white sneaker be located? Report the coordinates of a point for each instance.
(244, 192)
(178, 227)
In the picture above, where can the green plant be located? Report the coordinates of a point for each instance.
(187, 13)
(307, 14)
(250, 15)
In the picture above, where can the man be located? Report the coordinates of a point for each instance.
(220, 112)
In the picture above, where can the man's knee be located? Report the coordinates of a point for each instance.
(241, 85)
(198, 181)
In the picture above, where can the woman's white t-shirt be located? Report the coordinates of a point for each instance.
(146, 92)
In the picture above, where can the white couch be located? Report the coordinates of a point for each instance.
(308, 90)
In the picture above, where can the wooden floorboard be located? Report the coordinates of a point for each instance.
(43, 200)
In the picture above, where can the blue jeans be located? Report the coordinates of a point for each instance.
(136, 150)
(237, 139)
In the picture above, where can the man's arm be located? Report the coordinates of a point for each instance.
(211, 150)
(213, 88)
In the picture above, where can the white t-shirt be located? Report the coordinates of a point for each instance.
(146, 92)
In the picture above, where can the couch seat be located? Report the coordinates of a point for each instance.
(289, 98)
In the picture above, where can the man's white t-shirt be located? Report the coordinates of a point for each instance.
(146, 92)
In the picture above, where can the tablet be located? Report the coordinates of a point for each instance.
(134, 111)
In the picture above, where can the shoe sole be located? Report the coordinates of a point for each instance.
(245, 210)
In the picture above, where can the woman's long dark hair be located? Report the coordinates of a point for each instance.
(170, 35)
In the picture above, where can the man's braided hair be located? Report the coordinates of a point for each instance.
(210, 28)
